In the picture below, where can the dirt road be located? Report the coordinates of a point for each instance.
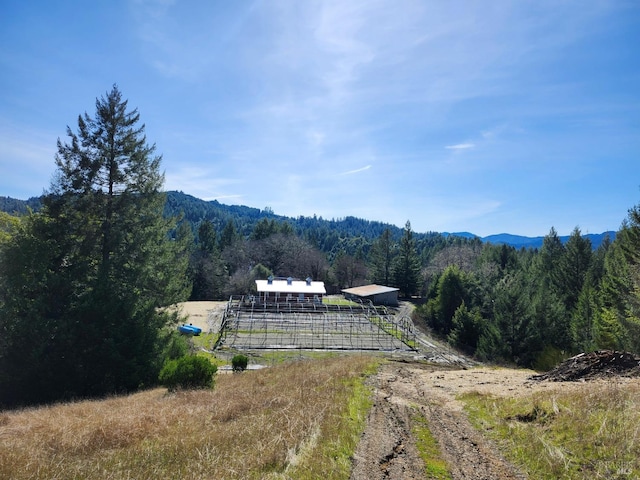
(402, 390)
(387, 449)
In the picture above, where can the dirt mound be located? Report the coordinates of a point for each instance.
(598, 364)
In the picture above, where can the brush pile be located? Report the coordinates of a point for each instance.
(598, 364)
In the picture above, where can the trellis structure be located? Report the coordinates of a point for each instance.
(249, 324)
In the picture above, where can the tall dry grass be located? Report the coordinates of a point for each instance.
(589, 430)
(299, 420)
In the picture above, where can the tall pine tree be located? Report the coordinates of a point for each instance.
(407, 265)
(88, 276)
(382, 256)
(575, 263)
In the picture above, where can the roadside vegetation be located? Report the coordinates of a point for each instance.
(435, 466)
(295, 420)
(572, 433)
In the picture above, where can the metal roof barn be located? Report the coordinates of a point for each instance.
(378, 294)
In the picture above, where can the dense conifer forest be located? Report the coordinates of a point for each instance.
(526, 306)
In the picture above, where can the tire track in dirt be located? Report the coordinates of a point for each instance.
(387, 448)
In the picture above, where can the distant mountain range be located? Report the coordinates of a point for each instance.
(196, 209)
(519, 241)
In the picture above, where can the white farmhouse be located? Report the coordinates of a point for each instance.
(276, 290)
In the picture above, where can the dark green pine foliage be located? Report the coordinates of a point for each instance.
(87, 277)
(629, 242)
(615, 290)
(586, 318)
(451, 291)
(406, 270)
(264, 228)
(229, 235)
(550, 315)
(207, 237)
(206, 267)
(575, 263)
(382, 256)
(510, 313)
(467, 328)
(550, 262)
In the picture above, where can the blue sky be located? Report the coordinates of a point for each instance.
(480, 116)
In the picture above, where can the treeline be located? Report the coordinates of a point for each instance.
(228, 262)
(86, 277)
(531, 307)
(348, 234)
(534, 308)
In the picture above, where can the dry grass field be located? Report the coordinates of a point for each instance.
(297, 420)
(340, 417)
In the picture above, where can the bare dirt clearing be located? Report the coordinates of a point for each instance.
(203, 314)
(402, 390)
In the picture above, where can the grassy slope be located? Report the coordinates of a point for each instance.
(302, 420)
(298, 420)
(571, 433)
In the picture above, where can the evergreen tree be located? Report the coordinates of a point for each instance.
(451, 291)
(229, 235)
(382, 256)
(489, 342)
(87, 277)
(467, 326)
(550, 262)
(207, 270)
(574, 265)
(8, 224)
(209, 276)
(617, 283)
(511, 316)
(609, 333)
(551, 320)
(548, 340)
(263, 229)
(585, 320)
(630, 245)
(406, 271)
(207, 237)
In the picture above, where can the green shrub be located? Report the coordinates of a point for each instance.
(188, 372)
(239, 363)
(177, 346)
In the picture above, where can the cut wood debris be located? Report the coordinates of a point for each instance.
(598, 364)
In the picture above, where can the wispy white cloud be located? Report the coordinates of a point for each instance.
(358, 170)
(187, 43)
(26, 159)
(224, 197)
(460, 146)
(202, 182)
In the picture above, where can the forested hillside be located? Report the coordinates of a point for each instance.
(495, 301)
(84, 277)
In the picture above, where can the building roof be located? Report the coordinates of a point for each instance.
(369, 290)
(295, 286)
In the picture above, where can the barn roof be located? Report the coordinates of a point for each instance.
(294, 286)
(369, 290)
